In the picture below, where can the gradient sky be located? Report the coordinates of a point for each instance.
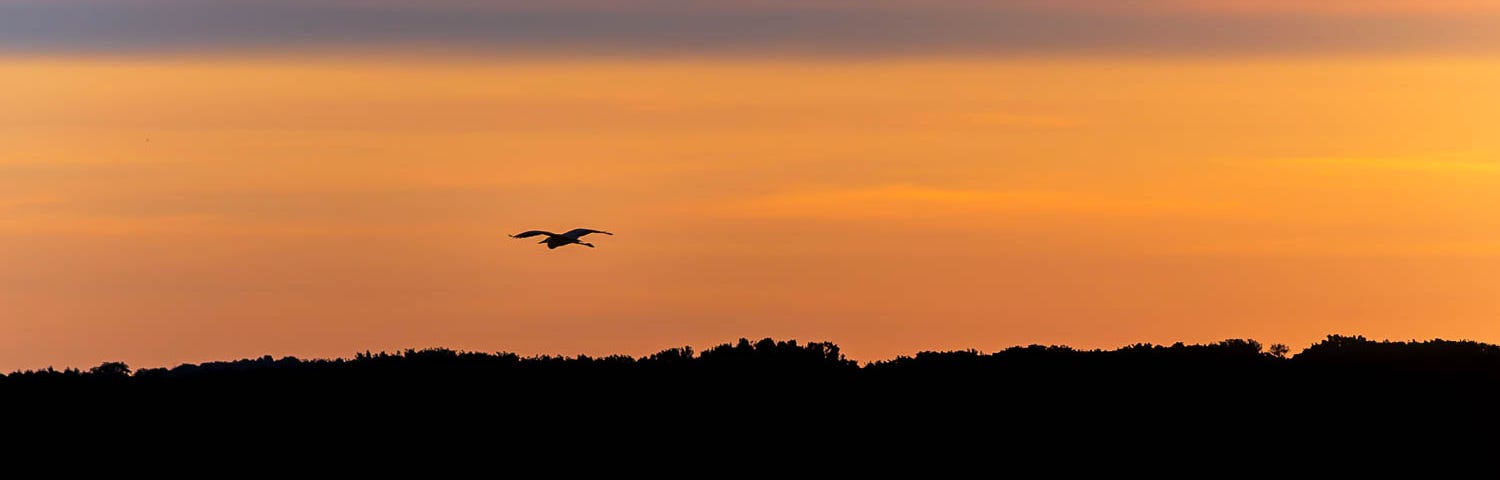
(184, 181)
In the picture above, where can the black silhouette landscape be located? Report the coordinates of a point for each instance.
(1231, 390)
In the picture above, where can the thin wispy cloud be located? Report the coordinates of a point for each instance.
(1430, 164)
(911, 201)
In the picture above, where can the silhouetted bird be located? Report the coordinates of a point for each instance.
(554, 240)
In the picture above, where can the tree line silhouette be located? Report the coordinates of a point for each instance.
(1044, 390)
(1349, 360)
(1352, 357)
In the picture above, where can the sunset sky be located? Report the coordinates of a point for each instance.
(197, 180)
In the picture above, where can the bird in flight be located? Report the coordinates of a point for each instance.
(554, 240)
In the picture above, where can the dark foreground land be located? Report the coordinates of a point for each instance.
(770, 393)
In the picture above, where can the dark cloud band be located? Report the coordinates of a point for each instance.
(125, 27)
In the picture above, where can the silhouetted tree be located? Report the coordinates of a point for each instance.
(111, 369)
(1279, 350)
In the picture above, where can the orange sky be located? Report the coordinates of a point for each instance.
(160, 209)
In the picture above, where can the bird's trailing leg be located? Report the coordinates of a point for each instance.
(586, 244)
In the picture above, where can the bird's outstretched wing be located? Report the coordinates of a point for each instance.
(532, 233)
(579, 232)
